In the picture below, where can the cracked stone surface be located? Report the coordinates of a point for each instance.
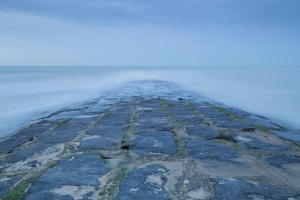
(151, 140)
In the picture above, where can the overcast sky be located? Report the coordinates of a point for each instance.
(150, 32)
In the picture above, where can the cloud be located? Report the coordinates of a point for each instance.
(152, 32)
(187, 13)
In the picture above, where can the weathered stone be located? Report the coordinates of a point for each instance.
(145, 183)
(260, 145)
(82, 170)
(203, 131)
(161, 142)
(152, 114)
(236, 189)
(210, 150)
(99, 144)
(151, 104)
(115, 119)
(293, 136)
(280, 160)
(23, 136)
(153, 125)
(6, 183)
(188, 119)
(111, 132)
(233, 123)
(25, 152)
(65, 132)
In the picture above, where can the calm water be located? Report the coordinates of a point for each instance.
(28, 93)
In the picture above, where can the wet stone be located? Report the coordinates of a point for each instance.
(110, 132)
(6, 183)
(280, 160)
(99, 144)
(57, 136)
(210, 112)
(236, 189)
(156, 142)
(202, 131)
(264, 146)
(153, 105)
(65, 132)
(145, 183)
(152, 125)
(152, 114)
(210, 150)
(82, 170)
(189, 119)
(115, 119)
(124, 109)
(78, 123)
(23, 136)
(179, 107)
(289, 135)
(234, 123)
(25, 152)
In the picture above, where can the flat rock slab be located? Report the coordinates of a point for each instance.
(211, 150)
(77, 172)
(280, 160)
(239, 189)
(155, 142)
(144, 183)
(150, 140)
(203, 131)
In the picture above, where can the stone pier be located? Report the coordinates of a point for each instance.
(151, 140)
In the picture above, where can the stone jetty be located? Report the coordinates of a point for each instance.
(151, 140)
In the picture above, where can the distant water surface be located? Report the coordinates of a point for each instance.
(27, 93)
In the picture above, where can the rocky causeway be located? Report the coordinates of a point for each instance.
(151, 140)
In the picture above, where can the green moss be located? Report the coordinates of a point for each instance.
(18, 192)
(131, 127)
(220, 109)
(112, 187)
(263, 129)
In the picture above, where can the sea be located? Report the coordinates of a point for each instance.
(28, 93)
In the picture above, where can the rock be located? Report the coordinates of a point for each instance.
(99, 144)
(115, 119)
(115, 133)
(236, 189)
(293, 136)
(6, 183)
(23, 136)
(264, 146)
(82, 170)
(145, 183)
(202, 131)
(159, 142)
(210, 150)
(280, 160)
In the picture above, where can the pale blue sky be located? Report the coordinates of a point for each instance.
(150, 32)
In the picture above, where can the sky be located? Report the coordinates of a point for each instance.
(150, 32)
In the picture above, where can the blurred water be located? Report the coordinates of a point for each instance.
(29, 92)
